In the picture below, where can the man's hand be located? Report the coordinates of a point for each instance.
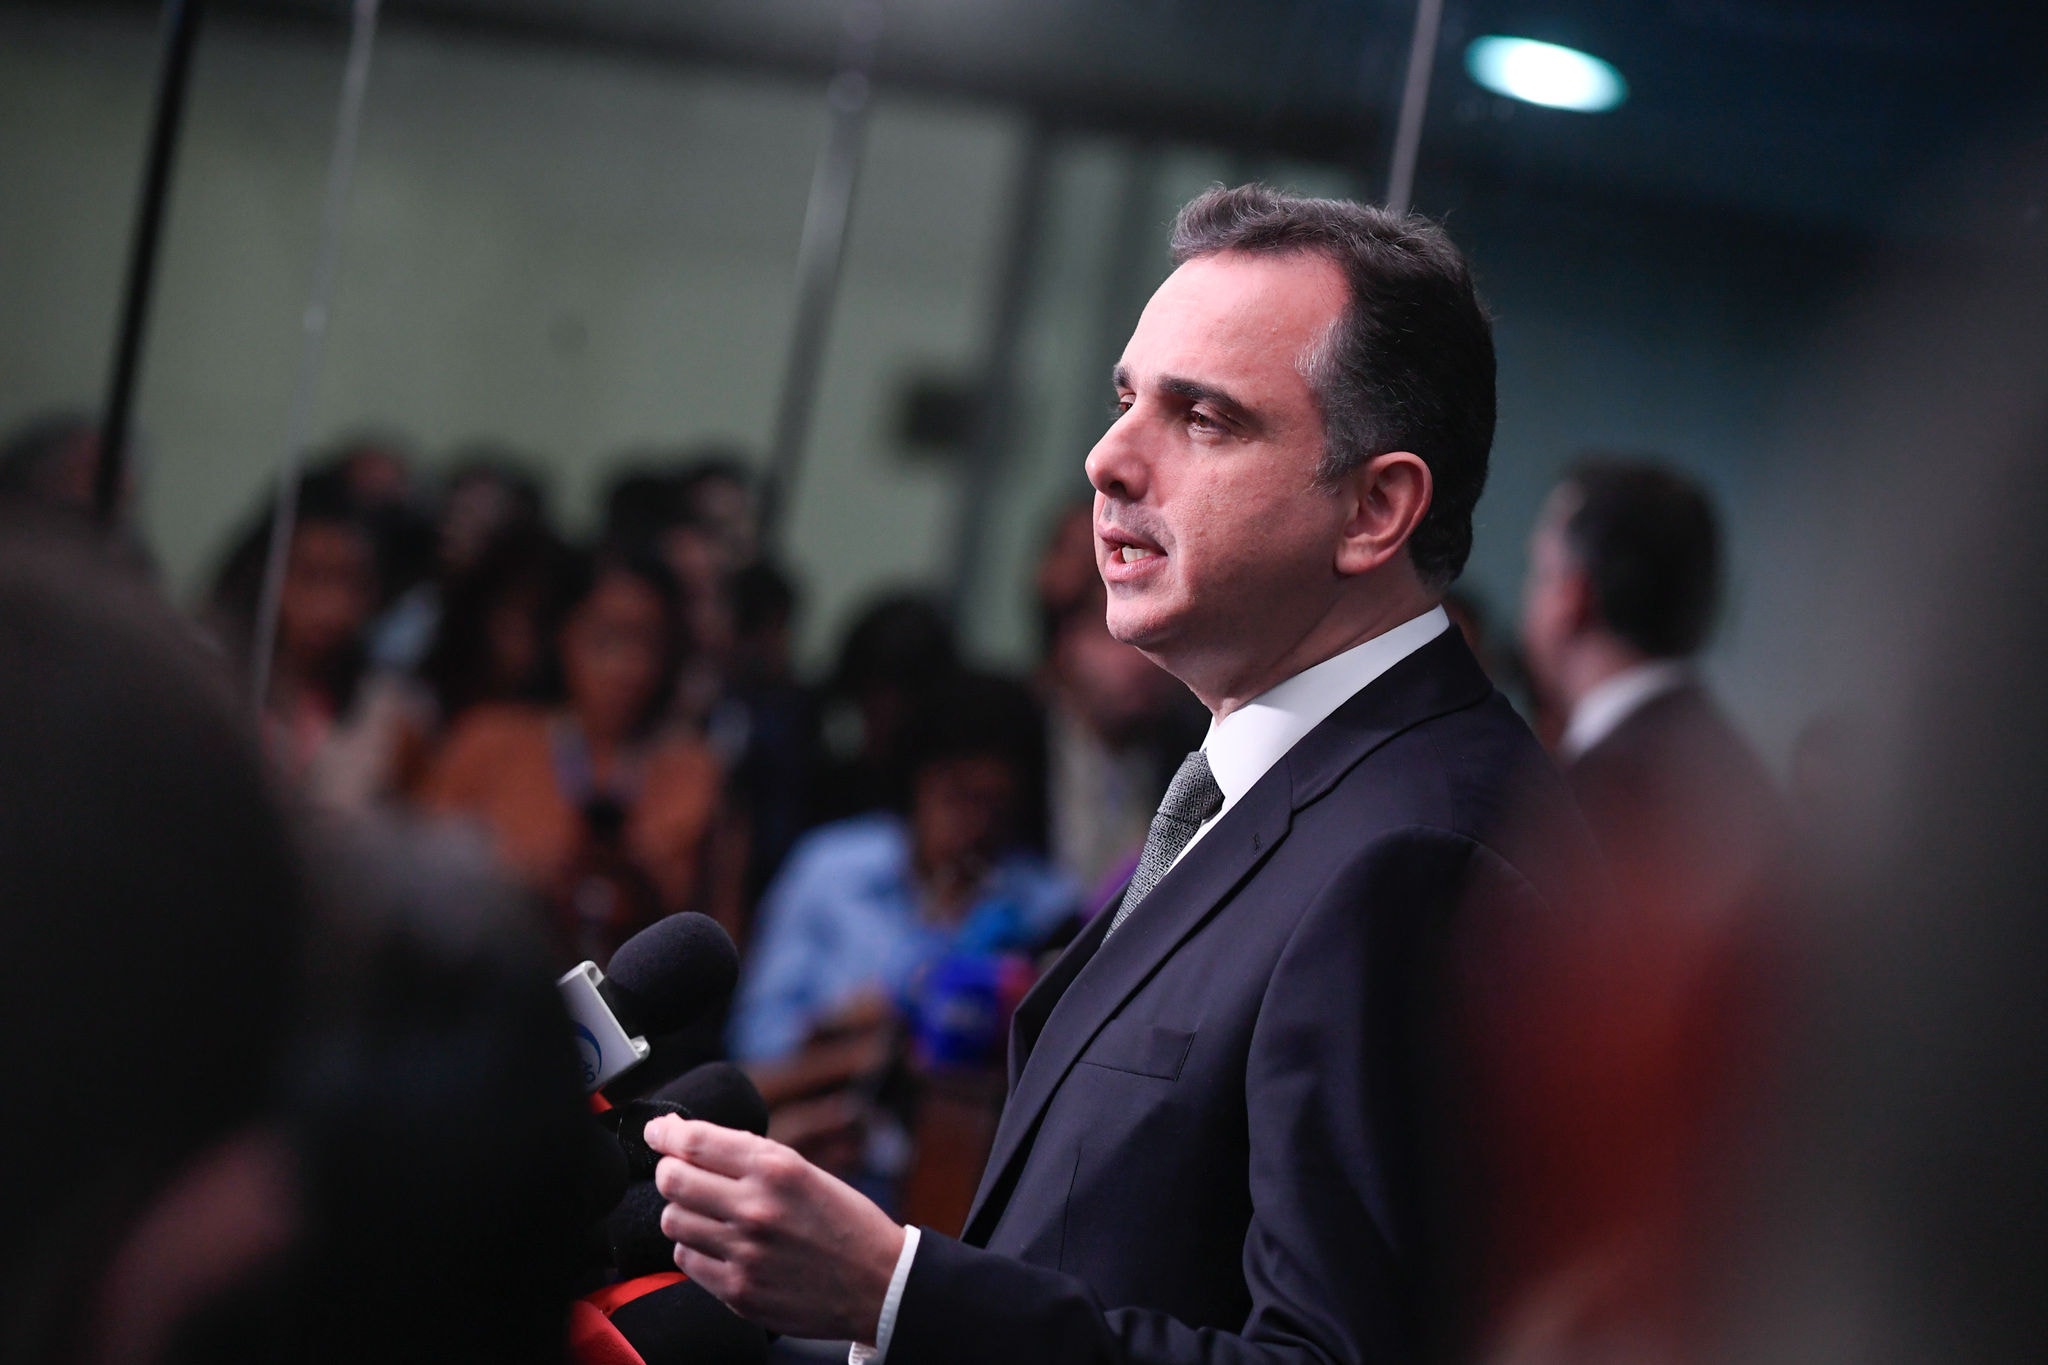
(781, 1242)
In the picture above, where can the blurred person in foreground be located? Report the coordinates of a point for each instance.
(153, 919)
(592, 799)
(1220, 1141)
(243, 1054)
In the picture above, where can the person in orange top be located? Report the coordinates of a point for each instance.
(591, 801)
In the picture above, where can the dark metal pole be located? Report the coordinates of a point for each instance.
(995, 426)
(181, 34)
(821, 259)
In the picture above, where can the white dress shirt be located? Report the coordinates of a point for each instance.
(1241, 747)
(1601, 711)
(1251, 739)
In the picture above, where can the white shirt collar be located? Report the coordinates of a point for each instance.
(1601, 711)
(1251, 739)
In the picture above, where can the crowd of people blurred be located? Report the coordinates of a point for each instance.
(622, 723)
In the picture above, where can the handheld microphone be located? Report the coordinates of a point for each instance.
(682, 1324)
(717, 1092)
(674, 972)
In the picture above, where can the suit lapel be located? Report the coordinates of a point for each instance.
(1091, 981)
(1037, 1005)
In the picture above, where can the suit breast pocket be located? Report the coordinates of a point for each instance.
(1140, 1048)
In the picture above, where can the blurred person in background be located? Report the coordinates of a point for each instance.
(864, 907)
(48, 465)
(1655, 1008)
(50, 462)
(592, 800)
(1065, 575)
(719, 496)
(765, 728)
(1623, 587)
(713, 539)
(494, 638)
(1116, 726)
(377, 470)
(349, 735)
(488, 494)
(694, 511)
(899, 651)
(154, 918)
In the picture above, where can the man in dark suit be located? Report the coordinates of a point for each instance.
(1624, 583)
(1214, 1144)
(1663, 996)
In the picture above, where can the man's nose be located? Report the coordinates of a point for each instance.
(1117, 466)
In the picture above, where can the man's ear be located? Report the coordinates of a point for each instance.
(1576, 606)
(1385, 498)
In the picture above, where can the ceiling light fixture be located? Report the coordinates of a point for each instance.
(1545, 73)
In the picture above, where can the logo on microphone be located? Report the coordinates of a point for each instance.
(590, 1053)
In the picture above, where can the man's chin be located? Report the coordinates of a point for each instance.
(1146, 631)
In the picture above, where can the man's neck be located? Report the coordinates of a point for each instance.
(1330, 636)
(1592, 662)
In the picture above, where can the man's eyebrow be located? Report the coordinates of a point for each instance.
(1194, 391)
(1232, 411)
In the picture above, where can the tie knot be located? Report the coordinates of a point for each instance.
(1193, 794)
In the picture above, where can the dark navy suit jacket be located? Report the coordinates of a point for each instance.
(1212, 1145)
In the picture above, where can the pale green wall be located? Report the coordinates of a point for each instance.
(573, 254)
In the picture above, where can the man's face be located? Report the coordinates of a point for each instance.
(1216, 543)
(1551, 592)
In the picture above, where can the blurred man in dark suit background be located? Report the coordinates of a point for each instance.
(1657, 1002)
(1623, 587)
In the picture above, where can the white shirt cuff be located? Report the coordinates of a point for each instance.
(891, 1301)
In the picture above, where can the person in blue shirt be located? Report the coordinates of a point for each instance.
(866, 908)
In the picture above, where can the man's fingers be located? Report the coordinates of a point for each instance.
(707, 1236)
(713, 1274)
(700, 1191)
(726, 1151)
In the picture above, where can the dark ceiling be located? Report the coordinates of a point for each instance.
(1817, 113)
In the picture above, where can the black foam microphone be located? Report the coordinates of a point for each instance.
(720, 1093)
(716, 1092)
(634, 1241)
(671, 974)
(677, 972)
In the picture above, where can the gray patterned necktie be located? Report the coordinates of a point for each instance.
(1191, 798)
